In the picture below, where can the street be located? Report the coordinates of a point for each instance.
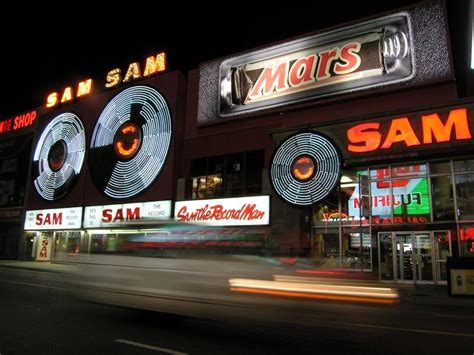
(39, 315)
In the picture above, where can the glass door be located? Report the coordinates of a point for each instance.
(418, 257)
(442, 248)
(423, 257)
(404, 257)
(386, 257)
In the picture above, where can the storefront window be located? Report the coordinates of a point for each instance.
(379, 173)
(351, 202)
(381, 202)
(73, 242)
(326, 248)
(411, 201)
(98, 243)
(351, 251)
(207, 187)
(253, 172)
(466, 239)
(465, 196)
(443, 167)
(326, 214)
(409, 170)
(443, 202)
(230, 175)
(463, 166)
(386, 256)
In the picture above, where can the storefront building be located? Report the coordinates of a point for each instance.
(16, 136)
(358, 136)
(340, 151)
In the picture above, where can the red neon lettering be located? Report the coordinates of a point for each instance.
(107, 215)
(302, 71)
(217, 213)
(400, 131)
(272, 78)
(366, 133)
(350, 59)
(325, 59)
(432, 126)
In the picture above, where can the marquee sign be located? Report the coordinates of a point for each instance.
(356, 58)
(241, 211)
(413, 134)
(58, 218)
(126, 214)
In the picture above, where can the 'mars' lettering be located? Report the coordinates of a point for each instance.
(367, 137)
(279, 76)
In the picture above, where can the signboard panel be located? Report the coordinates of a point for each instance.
(126, 214)
(59, 218)
(357, 57)
(241, 211)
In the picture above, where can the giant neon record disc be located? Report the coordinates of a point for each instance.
(130, 142)
(306, 167)
(58, 156)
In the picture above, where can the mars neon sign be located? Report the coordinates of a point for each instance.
(406, 132)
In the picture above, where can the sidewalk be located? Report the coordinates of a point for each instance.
(409, 294)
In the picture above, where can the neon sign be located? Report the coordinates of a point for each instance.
(153, 65)
(369, 137)
(83, 88)
(351, 59)
(21, 121)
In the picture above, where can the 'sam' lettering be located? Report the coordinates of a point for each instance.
(55, 218)
(120, 215)
(367, 137)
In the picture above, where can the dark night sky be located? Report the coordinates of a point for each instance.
(54, 51)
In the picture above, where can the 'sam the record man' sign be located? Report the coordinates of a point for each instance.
(241, 211)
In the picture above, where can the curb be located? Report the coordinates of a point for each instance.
(31, 268)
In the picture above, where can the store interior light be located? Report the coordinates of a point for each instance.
(345, 179)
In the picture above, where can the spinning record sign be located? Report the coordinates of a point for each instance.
(130, 142)
(306, 167)
(58, 156)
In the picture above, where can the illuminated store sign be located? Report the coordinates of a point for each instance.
(240, 211)
(115, 77)
(411, 133)
(20, 121)
(153, 65)
(358, 57)
(126, 214)
(44, 247)
(83, 88)
(59, 218)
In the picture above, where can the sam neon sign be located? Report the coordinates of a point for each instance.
(115, 77)
(369, 137)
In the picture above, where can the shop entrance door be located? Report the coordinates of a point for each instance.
(415, 257)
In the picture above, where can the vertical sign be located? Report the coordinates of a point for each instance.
(44, 247)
